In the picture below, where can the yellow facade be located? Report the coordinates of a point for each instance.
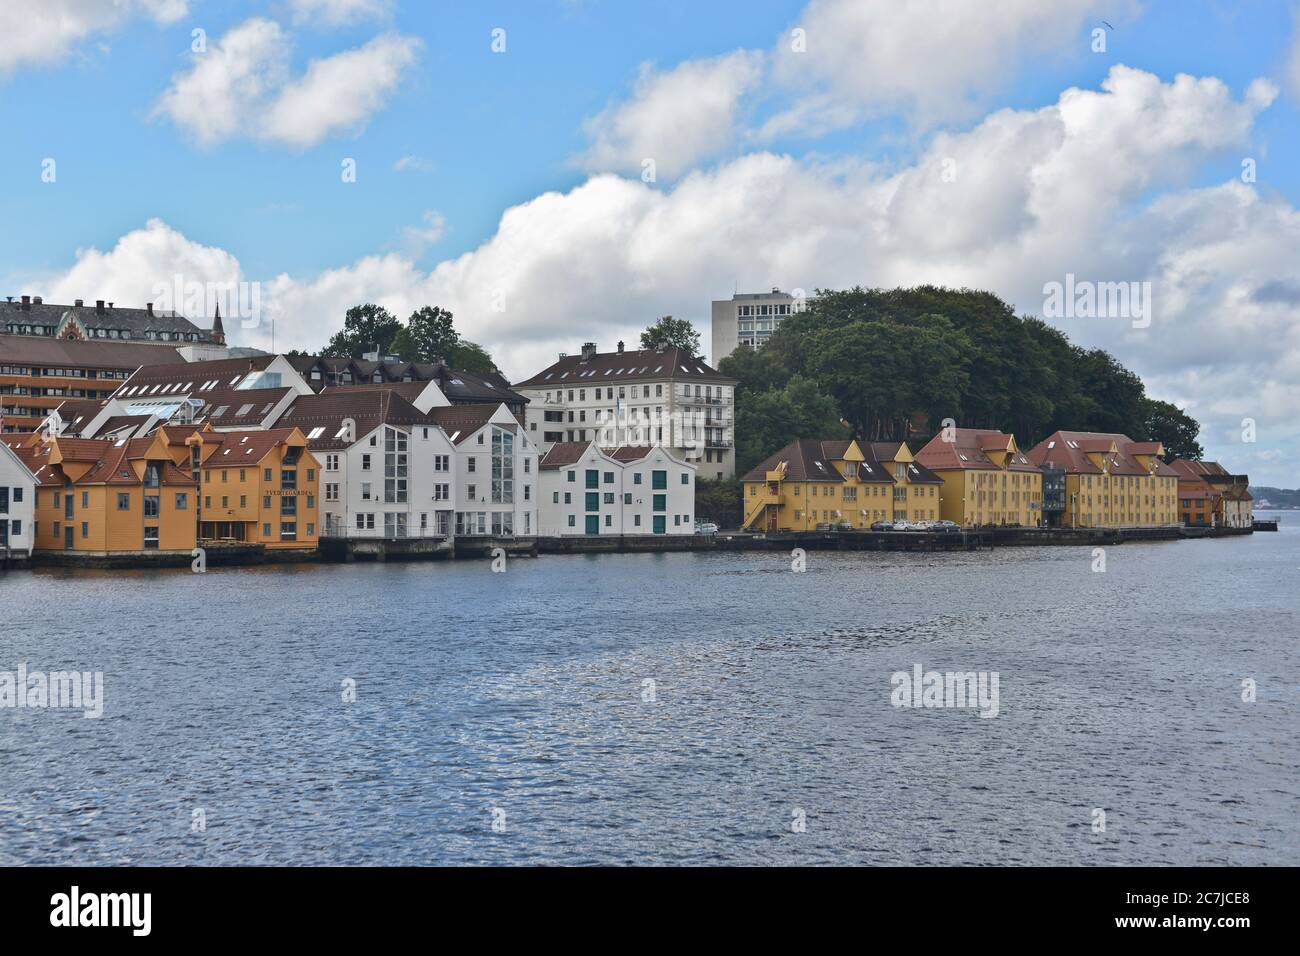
(1120, 501)
(915, 497)
(991, 496)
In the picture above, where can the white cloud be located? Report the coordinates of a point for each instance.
(415, 164)
(676, 117)
(933, 59)
(242, 87)
(1038, 193)
(415, 239)
(44, 31)
(338, 12)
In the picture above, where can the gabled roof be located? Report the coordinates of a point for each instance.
(562, 454)
(367, 409)
(1069, 451)
(878, 453)
(37, 460)
(607, 367)
(136, 322)
(232, 449)
(461, 421)
(806, 459)
(970, 449)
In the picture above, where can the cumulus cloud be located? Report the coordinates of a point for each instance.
(675, 118)
(1022, 198)
(44, 31)
(242, 87)
(934, 59)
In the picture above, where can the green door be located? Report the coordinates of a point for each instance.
(660, 521)
(593, 524)
(593, 501)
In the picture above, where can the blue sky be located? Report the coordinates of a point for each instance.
(774, 169)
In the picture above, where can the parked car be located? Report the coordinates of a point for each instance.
(882, 526)
(706, 527)
(908, 526)
(922, 525)
(823, 526)
(844, 526)
(944, 525)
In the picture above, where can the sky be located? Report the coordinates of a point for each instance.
(562, 171)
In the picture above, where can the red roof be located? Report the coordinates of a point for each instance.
(968, 450)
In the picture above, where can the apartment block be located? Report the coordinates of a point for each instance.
(987, 479)
(634, 490)
(1111, 481)
(17, 502)
(748, 319)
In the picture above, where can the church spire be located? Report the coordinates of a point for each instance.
(218, 333)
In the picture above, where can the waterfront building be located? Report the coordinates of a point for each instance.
(643, 398)
(748, 319)
(1211, 496)
(257, 487)
(917, 490)
(987, 479)
(1111, 481)
(17, 502)
(101, 497)
(495, 468)
(810, 485)
(633, 490)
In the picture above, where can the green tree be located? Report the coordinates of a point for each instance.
(1166, 422)
(719, 500)
(668, 333)
(365, 328)
(767, 421)
(429, 335)
(470, 357)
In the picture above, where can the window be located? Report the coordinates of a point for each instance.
(593, 501)
(686, 478)
(471, 492)
(365, 491)
(441, 462)
(365, 464)
(503, 466)
(182, 501)
(331, 462)
(395, 465)
(573, 476)
(636, 478)
(609, 477)
(627, 498)
(123, 501)
(151, 536)
(85, 529)
(471, 464)
(609, 497)
(660, 502)
(573, 521)
(660, 480)
(593, 478)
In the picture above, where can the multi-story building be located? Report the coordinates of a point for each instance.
(987, 479)
(644, 398)
(31, 315)
(1211, 496)
(460, 387)
(258, 487)
(810, 485)
(495, 467)
(106, 497)
(17, 503)
(748, 319)
(1111, 481)
(917, 489)
(586, 490)
(40, 373)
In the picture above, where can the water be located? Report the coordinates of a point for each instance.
(518, 697)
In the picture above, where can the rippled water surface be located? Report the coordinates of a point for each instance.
(524, 693)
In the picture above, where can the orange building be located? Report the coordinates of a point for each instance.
(258, 487)
(101, 497)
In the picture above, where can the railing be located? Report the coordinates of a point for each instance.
(378, 534)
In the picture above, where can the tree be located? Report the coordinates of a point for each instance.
(719, 500)
(768, 421)
(1166, 422)
(429, 335)
(365, 328)
(668, 333)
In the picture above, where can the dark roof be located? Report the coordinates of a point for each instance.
(60, 353)
(461, 421)
(672, 364)
(807, 459)
(230, 449)
(563, 453)
(223, 370)
(877, 452)
(135, 322)
(368, 408)
(462, 386)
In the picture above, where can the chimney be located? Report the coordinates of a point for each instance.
(588, 351)
(99, 306)
(27, 302)
(37, 300)
(620, 346)
(148, 307)
(110, 305)
(78, 303)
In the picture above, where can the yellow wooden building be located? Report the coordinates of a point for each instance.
(987, 479)
(1111, 481)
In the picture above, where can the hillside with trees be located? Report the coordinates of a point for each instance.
(893, 363)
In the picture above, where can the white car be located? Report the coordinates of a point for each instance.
(706, 527)
(903, 525)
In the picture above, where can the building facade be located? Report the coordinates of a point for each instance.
(1210, 496)
(1111, 481)
(648, 398)
(748, 319)
(102, 321)
(812, 485)
(586, 490)
(987, 479)
(17, 503)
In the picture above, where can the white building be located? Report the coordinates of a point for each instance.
(645, 398)
(391, 470)
(749, 319)
(585, 490)
(17, 504)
